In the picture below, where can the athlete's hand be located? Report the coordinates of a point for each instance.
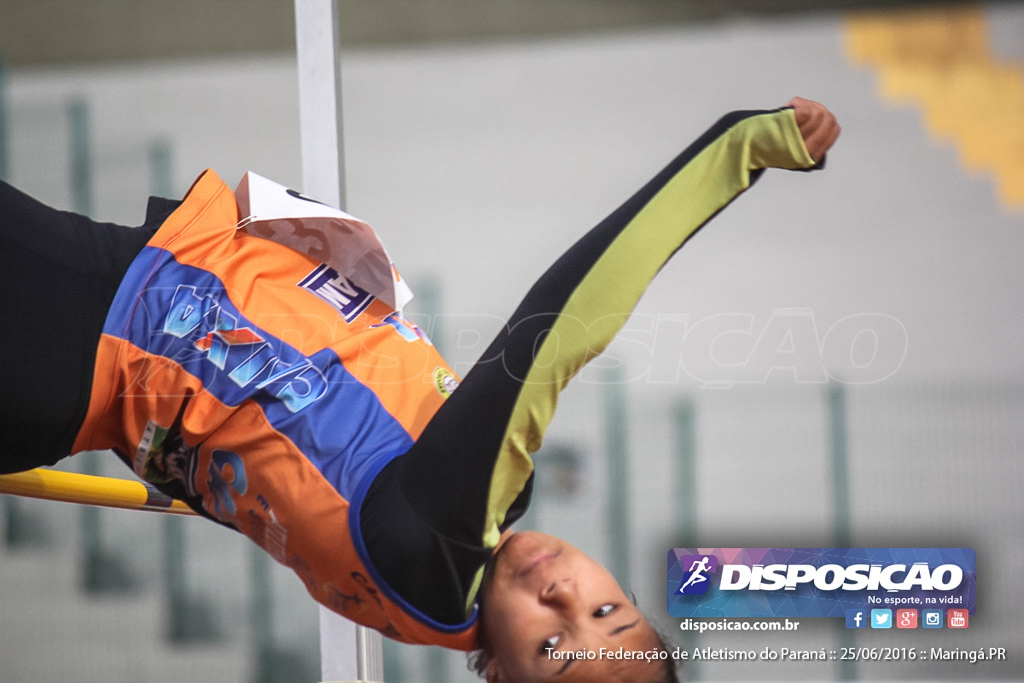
(817, 124)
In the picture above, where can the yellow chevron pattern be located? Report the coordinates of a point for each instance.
(941, 60)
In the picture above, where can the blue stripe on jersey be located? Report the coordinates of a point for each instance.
(185, 314)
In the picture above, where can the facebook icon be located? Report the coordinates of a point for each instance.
(856, 618)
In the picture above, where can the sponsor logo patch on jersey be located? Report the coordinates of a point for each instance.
(338, 291)
(444, 381)
(163, 456)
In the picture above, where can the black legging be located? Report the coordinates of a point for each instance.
(464, 474)
(62, 268)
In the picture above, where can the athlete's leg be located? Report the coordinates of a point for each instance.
(469, 474)
(580, 303)
(58, 273)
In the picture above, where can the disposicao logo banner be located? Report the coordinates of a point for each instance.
(816, 582)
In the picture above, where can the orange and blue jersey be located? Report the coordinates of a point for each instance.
(269, 385)
(278, 397)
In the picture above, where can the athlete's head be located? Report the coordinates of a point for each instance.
(542, 599)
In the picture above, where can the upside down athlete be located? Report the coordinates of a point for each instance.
(256, 385)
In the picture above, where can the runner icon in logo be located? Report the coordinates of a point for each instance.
(696, 581)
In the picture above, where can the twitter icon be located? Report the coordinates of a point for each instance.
(881, 618)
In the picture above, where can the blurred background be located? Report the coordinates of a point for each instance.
(836, 360)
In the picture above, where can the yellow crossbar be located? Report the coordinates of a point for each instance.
(86, 489)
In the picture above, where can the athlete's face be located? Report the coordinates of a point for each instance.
(543, 594)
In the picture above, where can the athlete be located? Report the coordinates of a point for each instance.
(275, 395)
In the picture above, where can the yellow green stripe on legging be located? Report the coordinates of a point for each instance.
(607, 294)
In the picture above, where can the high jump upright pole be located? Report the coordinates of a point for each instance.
(347, 652)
